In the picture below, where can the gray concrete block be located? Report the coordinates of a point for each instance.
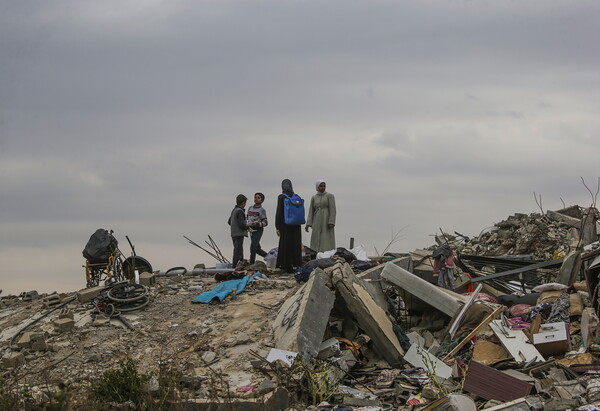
(38, 342)
(64, 324)
(301, 322)
(13, 359)
(147, 279)
(87, 294)
(51, 300)
(24, 341)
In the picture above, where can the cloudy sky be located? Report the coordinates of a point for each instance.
(149, 117)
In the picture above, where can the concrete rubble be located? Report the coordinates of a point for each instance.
(518, 332)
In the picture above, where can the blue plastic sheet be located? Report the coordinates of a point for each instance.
(222, 290)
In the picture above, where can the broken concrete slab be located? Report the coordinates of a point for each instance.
(370, 317)
(147, 279)
(589, 233)
(51, 300)
(30, 295)
(13, 360)
(447, 302)
(565, 219)
(64, 324)
(38, 342)
(87, 294)
(570, 268)
(329, 348)
(25, 340)
(302, 319)
(372, 278)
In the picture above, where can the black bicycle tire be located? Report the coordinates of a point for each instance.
(126, 309)
(131, 263)
(128, 300)
(176, 269)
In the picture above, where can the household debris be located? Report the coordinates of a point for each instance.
(519, 331)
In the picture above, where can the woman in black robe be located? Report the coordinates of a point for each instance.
(289, 253)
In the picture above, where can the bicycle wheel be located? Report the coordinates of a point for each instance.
(135, 305)
(125, 293)
(117, 269)
(135, 263)
(93, 275)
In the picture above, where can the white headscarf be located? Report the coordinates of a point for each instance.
(318, 183)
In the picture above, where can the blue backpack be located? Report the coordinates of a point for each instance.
(293, 210)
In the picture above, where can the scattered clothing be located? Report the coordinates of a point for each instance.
(224, 289)
(443, 265)
(560, 310)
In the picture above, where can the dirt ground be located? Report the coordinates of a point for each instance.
(195, 339)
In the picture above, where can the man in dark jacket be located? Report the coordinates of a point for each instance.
(239, 228)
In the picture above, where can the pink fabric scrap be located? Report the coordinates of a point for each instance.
(517, 323)
(519, 310)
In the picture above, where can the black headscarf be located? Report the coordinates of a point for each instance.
(286, 187)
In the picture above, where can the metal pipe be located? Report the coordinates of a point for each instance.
(195, 271)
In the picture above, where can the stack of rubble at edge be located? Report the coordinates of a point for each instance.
(401, 341)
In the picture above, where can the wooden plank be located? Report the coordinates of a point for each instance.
(475, 331)
(463, 310)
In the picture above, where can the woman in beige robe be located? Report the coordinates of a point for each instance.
(321, 218)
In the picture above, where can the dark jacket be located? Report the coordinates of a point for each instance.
(237, 221)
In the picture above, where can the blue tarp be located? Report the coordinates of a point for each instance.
(222, 290)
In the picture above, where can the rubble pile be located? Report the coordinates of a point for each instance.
(518, 330)
(542, 235)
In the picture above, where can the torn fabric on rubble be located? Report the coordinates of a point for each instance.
(560, 310)
(222, 290)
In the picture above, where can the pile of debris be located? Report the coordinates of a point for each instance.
(518, 332)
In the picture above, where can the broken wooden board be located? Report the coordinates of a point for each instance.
(370, 316)
(302, 319)
(516, 342)
(456, 320)
(417, 356)
(447, 302)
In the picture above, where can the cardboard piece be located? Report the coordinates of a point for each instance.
(488, 353)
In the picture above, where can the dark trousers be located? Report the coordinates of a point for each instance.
(255, 245)
(238, 249)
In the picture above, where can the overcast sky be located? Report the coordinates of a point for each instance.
(149, 117)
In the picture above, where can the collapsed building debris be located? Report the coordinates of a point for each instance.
(519, 331)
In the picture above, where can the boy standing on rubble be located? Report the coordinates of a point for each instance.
(257, 221)
(239, 228)
(443, 265)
